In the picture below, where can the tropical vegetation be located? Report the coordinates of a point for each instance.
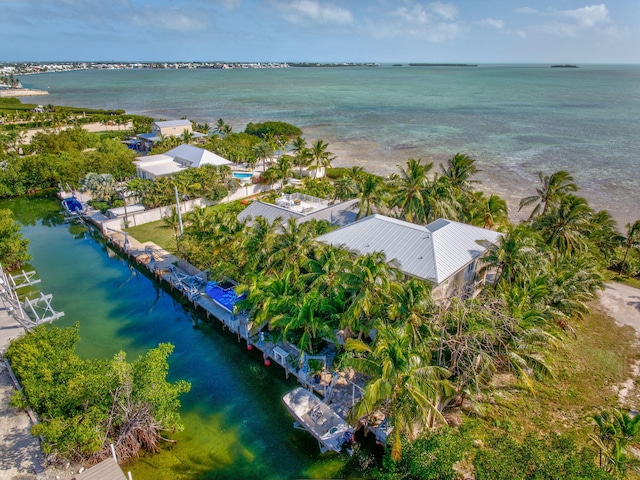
(86, 405)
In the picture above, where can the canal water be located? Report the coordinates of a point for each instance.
(235, 423)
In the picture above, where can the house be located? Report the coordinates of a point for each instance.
(169, 128)
(303, 208)
(175, 160)
(446, 254)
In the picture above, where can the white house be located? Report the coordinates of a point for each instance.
(445, 253)
(175, 160)
(168, 128)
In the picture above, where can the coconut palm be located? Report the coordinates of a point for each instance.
(564, 226)
(372, 194)
(263, 151)
(632, 239)
(552, 188)
(404, 385)
(441, 200)
(102, 186)
(615, 431)
(306, 316)
(320, 155)
(459, 171)
(409, 190)
(345, 188)
(369, 284)
(488, 212)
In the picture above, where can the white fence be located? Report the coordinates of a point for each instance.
(148, 216)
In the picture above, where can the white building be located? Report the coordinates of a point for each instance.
(175, 160)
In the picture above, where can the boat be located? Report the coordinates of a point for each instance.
(72, 206)
(315, 416)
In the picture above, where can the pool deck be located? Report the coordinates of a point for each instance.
(339, 389)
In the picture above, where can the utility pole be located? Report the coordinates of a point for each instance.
(175, 189)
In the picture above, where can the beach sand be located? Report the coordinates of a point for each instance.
(381, 160)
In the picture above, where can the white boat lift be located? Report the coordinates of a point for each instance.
(29, 312)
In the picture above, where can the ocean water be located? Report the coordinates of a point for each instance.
(515, 120)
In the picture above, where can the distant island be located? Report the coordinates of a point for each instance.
(10, 86)
(564, 66)
(442, 65)
(344, 64)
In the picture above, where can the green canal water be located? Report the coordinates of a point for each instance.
(235, 423)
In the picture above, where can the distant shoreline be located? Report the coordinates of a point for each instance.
(21, 92)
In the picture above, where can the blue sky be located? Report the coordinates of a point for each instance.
(481, 31)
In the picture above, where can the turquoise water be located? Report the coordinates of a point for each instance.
(242, 176)
(235, 423)
(514, 119)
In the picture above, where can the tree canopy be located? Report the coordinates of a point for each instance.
(85, 405)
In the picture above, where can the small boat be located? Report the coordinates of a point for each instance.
(315, 416)
(72, 206)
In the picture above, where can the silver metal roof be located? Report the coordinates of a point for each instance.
(433, 253)
(267, 210)
(338, 214)
(173, 123)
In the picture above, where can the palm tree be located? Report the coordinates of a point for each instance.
(371, 194)
(459, 170)
(301, 156)
(307, 315)
(564, 226)
(488, 212)
(187, 136)
(551, 189)
(284, 168)
(410, 187)
(615, 432)
(220, 126)
(369, 284)
(345, 188)
(633, 238)
(441, 200)
(263, 151)
(404, 385)
(320, 155)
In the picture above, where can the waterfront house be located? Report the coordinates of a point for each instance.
(303, 208)
(168, 128)
(446, 254)
(175, 160)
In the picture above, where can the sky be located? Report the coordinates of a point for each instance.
(471, 31)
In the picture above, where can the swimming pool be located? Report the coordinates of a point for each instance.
(243, 175)
(223, 294)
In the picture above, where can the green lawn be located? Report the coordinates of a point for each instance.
(157, 232)
(163, 235)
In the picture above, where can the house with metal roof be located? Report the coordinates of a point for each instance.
(168, 128)
(303, 208)
(175, 160)
(445, 253)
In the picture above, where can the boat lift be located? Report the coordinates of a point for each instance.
(30, 312)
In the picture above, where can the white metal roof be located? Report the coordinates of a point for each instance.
(433, 253)
(196, 156)
(173, 123)
(338, 214)
(177, 159)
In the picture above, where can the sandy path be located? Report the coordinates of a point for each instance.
(622, 302)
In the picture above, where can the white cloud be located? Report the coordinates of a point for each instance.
(526, 10)
(302, 12)
(588, 16)
(416, 15)
(448, 11)
(492, 22)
